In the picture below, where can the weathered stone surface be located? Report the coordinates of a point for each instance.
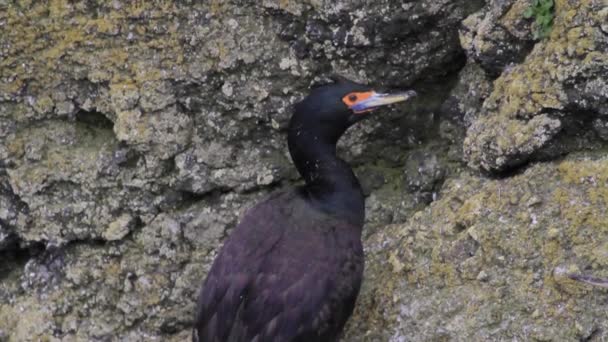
(136, 289)
(497, 36)
(115, 113)
(559, 84)
(467, 97)
(425, 175)
(134, 134)
(494, 260)
(13, 213)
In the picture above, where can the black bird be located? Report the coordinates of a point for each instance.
(291, 270)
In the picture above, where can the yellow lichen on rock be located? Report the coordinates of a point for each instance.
(526, 235)
(536, 86)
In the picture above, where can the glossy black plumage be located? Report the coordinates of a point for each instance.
(273, 282)
(291, 270)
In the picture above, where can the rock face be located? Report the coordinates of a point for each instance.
(133, 135)
(552, 96)
(495, 260)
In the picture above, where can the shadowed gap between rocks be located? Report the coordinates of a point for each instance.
(94, 119)
(14, 257)
(576, 135)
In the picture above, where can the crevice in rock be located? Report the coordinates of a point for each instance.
(174, 326)
(413, 153)
(16, 255)
(131, 157)
(94, 119)
(517, 168)
(460, 227)
(268, 187)
(189, 198)
(13, 207)
(6, 188)
(595, 332)
(92, 242)
(45, 270)
(185, 198)
(188, 94)
(577, 134)
(9, 238)
(414, 129)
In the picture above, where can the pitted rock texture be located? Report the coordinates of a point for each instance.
(134, 134)
(115, 109)
(561, 83)
(497, 36)
(495, 260)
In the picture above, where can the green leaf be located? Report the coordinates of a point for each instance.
(539, 19)
(546, 7)
(542, 12)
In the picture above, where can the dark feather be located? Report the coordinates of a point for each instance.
(288, 272)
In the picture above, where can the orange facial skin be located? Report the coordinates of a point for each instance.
(353, 98)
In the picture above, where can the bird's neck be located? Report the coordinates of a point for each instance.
(330, 181)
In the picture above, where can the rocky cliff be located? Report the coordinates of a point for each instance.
(134, 134)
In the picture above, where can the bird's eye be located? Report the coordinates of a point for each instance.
(355, 97)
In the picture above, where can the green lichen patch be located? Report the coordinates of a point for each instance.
(524, 94)
(494, 259)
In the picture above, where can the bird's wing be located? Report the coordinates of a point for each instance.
(233, 271)
(270, 284)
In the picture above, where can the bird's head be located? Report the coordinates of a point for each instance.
(335, 106)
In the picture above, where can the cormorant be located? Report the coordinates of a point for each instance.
(291, 270)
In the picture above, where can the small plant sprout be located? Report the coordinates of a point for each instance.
(543, 12)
